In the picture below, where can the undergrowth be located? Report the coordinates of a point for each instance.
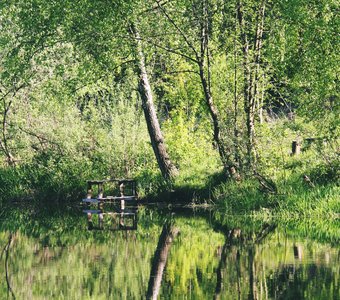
(306, 184)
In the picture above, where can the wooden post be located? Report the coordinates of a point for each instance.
(100, 220)
(89, 190)
(134, 226)
(100, 190)
(100, 204)
(296, 148)
(89, 221)
(122, 202)
(134, 188)
(89, 196)
(100, 215)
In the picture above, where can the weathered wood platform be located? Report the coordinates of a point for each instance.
(109, 199)
(122, 185)
(98, 211)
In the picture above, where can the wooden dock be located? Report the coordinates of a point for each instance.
(126, 196)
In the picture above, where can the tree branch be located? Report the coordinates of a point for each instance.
(169, 50)
(180, 31)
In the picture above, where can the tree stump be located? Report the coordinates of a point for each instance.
(296, 148)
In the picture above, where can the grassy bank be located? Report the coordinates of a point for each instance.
(66, 183)
(306, 184)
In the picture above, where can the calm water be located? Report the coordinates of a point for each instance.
(170, 255)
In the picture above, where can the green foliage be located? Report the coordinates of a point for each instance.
(316, 195)
(70, 110)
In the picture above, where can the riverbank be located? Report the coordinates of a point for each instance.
(294, 195)
(304, 185)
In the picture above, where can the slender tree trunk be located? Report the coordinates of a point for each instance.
(247, 90)
(202, 59)
(260, 106)
(167, 168)
(235, 100)
(225, 153)
(205, 74)
(257, 49)
(4, 140)
(159, 260)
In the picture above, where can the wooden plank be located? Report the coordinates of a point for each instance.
(118, 214)
(100, 190)
(90, 200)
(126, 180)
(104, 199)
(92, 211)
(123, 180)
(99, 212)
(95, 181)
(117, 198)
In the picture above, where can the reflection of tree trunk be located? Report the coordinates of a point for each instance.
(159, 260)
(236, 237)
(252, 275)
(233, 235)
(220, 268)
(6, 250)
(259, 237)
(227, 248)
(157, 141)
(266, 229)
(238, 269)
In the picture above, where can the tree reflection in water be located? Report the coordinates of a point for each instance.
(53, 256)
(160, 258)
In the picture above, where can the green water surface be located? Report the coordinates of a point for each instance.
(50, 254)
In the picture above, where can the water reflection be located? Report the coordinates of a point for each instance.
(236, 237)
(159, 260)
(5, 252)
(117, 219)
(279, 268)
(54, 256)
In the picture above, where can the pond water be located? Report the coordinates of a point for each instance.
(169, 254)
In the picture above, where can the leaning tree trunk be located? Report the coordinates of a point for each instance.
(167, 168)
